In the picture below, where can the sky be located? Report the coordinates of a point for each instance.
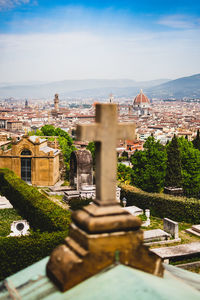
(47, 40)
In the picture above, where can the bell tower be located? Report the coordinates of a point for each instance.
(56, 102)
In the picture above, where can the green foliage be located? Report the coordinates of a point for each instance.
(78, 203)
(173, 172)
(7, 216)
(64, 139)
(196, 141)
(19, 252)
(190, 163)
(149, 166)
(122, 158)
(48, 130)
(162, 205)
(43, 215)
(37, 132)
(124, 173)
(125, 154)
(41, 212)
(91, 148)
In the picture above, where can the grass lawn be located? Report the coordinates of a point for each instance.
(157, 223)
(7, 216)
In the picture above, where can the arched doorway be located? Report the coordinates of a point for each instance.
(26, 166)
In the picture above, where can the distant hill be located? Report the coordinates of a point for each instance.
(178, 88)
(77, 88)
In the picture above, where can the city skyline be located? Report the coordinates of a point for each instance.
(57, 40)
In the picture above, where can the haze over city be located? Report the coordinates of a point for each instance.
(56, 40)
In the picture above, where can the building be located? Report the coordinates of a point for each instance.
(32, 160)
(141, 104)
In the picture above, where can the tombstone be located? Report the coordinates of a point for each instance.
(195, 229)
(81, 169)
(170, 227)
(19, 228)
(4, 203)
(173, 191)
(134, 210)
(155, 235)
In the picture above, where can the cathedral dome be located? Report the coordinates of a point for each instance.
(141, 99)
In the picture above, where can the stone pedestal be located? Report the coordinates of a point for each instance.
(98, 237)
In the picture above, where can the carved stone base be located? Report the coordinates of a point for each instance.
(90, 248)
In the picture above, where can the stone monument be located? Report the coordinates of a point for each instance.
(81, 169)
(19, 228)
(81, 177)
(102, 233)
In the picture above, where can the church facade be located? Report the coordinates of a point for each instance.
(31, 159)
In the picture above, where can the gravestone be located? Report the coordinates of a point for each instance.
(195, 229)
(4, 203)
(155, 235)
(170, 227)
(81, 169)
(134, 210)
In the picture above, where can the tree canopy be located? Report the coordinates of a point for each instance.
(149, 166)
(173, 176)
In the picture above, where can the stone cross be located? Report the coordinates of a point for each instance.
(105, 132)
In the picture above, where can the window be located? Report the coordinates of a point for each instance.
(26, 152)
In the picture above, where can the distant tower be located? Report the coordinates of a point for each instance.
(111, 98)
(56, 102)
(141, 104)
(26, 103)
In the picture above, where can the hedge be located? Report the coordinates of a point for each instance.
(41, 212)
(16, 253)
(161, 205)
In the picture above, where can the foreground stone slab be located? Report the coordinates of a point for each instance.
(4, 203)
(156, 235)
(134, 210)
(194, 230)
(178, 251)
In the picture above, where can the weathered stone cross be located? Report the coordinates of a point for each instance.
(105, 132)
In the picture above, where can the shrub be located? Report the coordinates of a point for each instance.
(41, 212)
(19, 252)
(161, 205)
(77, 203)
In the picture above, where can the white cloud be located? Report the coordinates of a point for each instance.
(178, 21)
(80, 55)
(9, 4)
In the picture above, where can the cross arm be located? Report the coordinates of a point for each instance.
(88, 132)
(126, 131)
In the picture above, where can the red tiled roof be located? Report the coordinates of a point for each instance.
(141, 98)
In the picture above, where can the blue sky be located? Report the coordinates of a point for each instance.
(56, 40)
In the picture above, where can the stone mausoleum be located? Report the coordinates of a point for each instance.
(32, 160)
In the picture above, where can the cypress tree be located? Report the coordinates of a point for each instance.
(196, 141)
(173, 176)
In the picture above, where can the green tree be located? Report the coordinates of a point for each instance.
(48, 130)
(64, 140)
(149, 166)
(125, 154)
(173, 172)
(190, 164)
(91, 148)
(196, 141)
(124, 173)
